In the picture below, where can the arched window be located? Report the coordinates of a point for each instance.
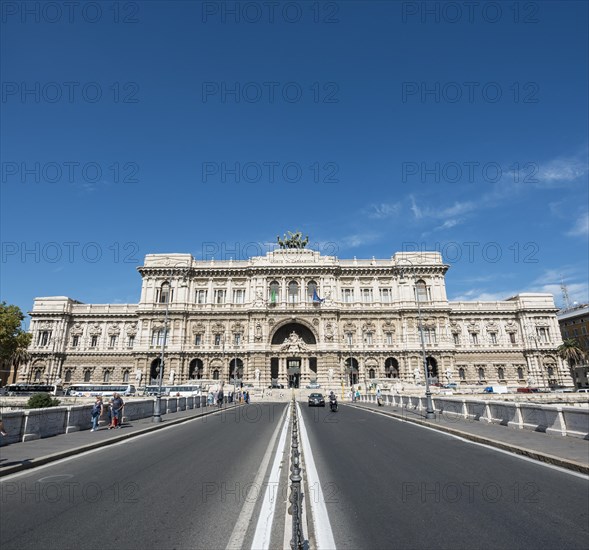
(501, 373)
(68, 375)
(164, 293)
(293, 292)
(311, 290)
(87, 376)
(38, 375)
(195, 369)
(550, 371)
(215, 374)
(371, 374)
(106, 377)
(461, 374)
(126, 376)
(391, 368)
(274, 292)
(520, 373)
(422, 291)
(481, 373)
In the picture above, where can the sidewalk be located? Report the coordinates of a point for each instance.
(20, 456)
(567, 452)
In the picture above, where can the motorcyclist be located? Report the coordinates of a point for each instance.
(332, 400)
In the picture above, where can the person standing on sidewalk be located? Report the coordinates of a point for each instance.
(118, 405)
(97, 412)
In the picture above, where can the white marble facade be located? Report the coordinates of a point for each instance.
(295, 316)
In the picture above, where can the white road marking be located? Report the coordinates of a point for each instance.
(245, 516)
(322, 525)
(266, 518)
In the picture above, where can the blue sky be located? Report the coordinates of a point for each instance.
(373, 127)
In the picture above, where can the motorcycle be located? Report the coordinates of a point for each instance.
(333, 406)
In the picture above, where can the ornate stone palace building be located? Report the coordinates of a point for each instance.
(294, 316)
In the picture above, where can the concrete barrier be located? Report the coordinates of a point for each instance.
(134, 410)
(576, 422)
(14, 423)
(171, 404)
(79, 417)
(44, 422)
(181, 404)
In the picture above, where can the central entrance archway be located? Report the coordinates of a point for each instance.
(293, 370)
(282, 333)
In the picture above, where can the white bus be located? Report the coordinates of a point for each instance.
(30, 389)
(184, 390)
(106, 390)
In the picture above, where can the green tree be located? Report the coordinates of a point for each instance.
(571, 352)
(14, 341)
(41, 401)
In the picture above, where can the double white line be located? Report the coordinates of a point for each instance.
(263, 533)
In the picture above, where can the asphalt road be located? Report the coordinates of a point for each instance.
(386, 484)
(182, 487)
(390, 484)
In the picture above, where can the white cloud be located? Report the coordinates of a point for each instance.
(581, 227)
(562, 169)
(384, 210)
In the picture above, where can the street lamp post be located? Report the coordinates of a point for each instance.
(429, 411)
(157, 415)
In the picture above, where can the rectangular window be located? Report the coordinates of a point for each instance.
(347, 295)
(368, 338)
(239, 296)
(389, 337)
(131, 341)
(456, 339)
(366, 295)
(474, 338)
(543, 334)
(512, 337)
(385, 295)
(201, 297)
(197, 339)
(113, 341)
(217, 340)
(75, 341)
(94, 341)
(157, 338)
(219, 296)
(429, 335)
(44, 338)
(237, 339)
(350, 338)
(493, 337)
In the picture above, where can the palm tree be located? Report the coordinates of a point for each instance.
(571, 352)
(21, 354)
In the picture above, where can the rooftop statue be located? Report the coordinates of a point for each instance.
(295, 240)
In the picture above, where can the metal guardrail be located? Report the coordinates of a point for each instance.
(296, 497)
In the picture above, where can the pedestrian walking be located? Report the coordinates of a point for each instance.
(97, 412)
(2, 430)
(220, 397)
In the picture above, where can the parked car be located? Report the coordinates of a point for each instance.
(583, 390)
(276, 387)
(527, 390)
(451, 386)
(316, 400)
(313, 386)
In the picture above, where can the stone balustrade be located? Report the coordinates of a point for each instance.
(552, 419)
